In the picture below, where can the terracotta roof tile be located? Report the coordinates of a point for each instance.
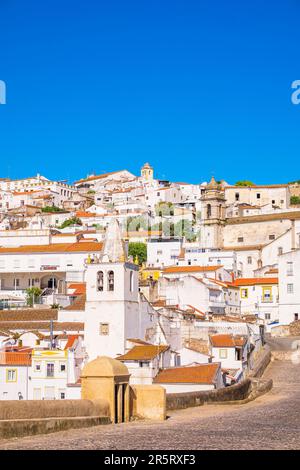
(201, 374)
(77, 247)
(253, 281)
(190, 269)
(31, 314)
(143, 353)
(227, 341)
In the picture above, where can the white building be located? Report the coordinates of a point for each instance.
(289, 287)
(259, 296)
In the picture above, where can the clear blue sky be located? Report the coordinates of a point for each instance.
(194, 87)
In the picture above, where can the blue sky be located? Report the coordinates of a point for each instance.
(194, 87)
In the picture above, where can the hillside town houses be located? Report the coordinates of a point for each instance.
(180, 282)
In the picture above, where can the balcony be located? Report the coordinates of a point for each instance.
(268, 300)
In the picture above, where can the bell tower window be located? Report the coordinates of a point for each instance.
(100, 281)
(111, 281)
(208, 211)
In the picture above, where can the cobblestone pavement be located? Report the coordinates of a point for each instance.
(270, 422)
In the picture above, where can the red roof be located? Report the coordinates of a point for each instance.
(253, 281)
(190, 269)
(227, 341)
(71, 341)
(201, 374)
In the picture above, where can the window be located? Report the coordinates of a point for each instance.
(16, 283)
(273, 201)
(144, 363)
(258, 196)
(267, 316)
(104, 329)
(131, 281)
(223, 353)
(237, 196)
(244, 293)
(11, 375)
(100, 278)
(37, 367)
(208, 211)
(50, 369)
(240, 239)
(290, 288)
(280, 250)
(296, 316)
(249, 260)
(62, 366)
(289, 270)
(62, 394)
(271, 237)
(111, 280)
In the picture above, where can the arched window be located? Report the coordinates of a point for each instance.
(131, 281)
(100, 281)
(220, 211)
(208, 211)
(111, 280)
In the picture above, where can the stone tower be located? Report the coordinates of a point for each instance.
(147, 172)
(213, 215)
(112, 299)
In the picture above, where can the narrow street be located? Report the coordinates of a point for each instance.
(270, 422)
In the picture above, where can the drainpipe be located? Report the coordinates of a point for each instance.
(293, 236)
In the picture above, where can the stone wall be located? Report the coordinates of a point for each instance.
(148, 401)
(29, 409)
(248, 389)
(235, 392)
(262, 362)
(28, 417)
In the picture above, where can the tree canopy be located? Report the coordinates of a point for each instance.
(138, 251)
(244, 183)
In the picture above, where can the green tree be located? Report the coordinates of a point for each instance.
(32, 294)
(244, 183)
(184, 228)
(139, 250)
(71, 221)
(51, 209)
(164, 208)
(295, 200)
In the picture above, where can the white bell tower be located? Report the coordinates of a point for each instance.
(112, 311)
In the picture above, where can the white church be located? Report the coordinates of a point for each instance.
(115, 310)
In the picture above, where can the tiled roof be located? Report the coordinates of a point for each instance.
(190, 269)
(78, 287)
(98, 177)
(71, 341)
(143, 353)
(82, 214)
(253, 281)
(201, 374)
(15, 356)
(78, 304)
(41, 325)
(227, 341)
(77, 247)
(31, 314)
(293, 215)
